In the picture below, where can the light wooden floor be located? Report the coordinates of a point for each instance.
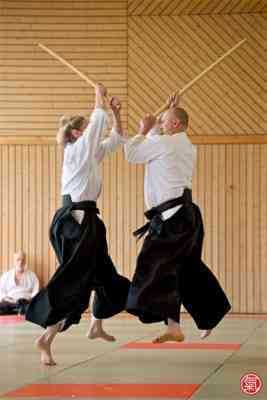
(130, 368)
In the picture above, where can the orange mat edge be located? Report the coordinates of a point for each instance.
(183, 391)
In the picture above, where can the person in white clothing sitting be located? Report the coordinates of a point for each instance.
(17, 287)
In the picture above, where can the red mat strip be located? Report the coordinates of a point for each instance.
(11, 319)
(191, 346)
(182, 391)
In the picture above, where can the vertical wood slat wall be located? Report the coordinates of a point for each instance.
(35, 90)
(120, 44)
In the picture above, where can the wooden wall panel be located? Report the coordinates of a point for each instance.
(230, 186)
(231, 189)
(193, 7)
(28, 202)
(165, 53)
(35, 89)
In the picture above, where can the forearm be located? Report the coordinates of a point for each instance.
(116, 123)
(132, 149)
(3, 292)
(155, 130)
(143, 149)
(35, 289)
(100, 101)
(8, 299)
(110, 144)
(113, 141)
(93, 132)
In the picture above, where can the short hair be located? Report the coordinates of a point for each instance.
(20, 253)
(182, 115)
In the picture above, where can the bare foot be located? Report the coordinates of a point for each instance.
(170, 337)
(205, 333)
(99, 333)
(45, 348)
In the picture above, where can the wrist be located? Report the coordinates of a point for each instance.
(116, 117)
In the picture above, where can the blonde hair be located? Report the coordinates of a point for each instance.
(66, 125)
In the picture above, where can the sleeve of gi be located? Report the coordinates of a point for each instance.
(141, 149)
(109, 144)
(92, 135)
(3, 291)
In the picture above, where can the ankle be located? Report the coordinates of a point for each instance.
(42, 339)
(96, 323)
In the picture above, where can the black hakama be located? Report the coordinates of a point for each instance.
(19, 307)
(170, 271)
(85, 265)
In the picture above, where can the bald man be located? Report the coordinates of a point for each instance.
(17, 287)
(169, 269)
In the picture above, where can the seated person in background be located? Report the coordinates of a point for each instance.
(17, 287)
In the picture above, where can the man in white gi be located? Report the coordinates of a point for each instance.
(169, 269)
(17, 286)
